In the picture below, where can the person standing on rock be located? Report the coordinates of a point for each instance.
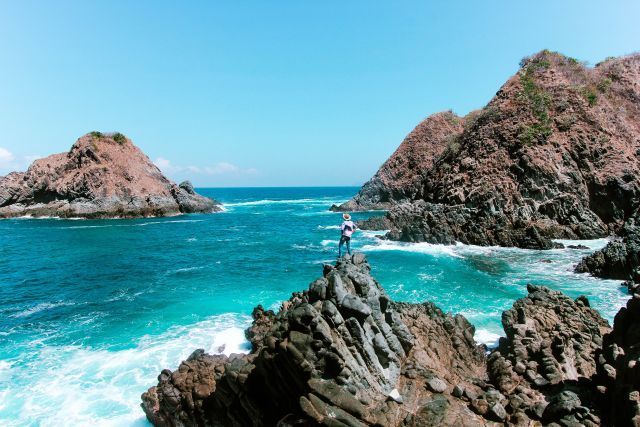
(346, 230)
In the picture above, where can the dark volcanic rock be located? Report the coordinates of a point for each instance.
(554, 154)
(437, 223)
(620, 259)
(548, 357)
(342, 353)
(619, 368)
(578, 247)
(338, 354)
(102, 176)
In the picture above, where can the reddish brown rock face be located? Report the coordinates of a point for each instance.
(101, 176)
(400, 177)
(555, 154)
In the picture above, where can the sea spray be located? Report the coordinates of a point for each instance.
(107, 304)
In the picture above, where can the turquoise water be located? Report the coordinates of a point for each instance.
(92, 310)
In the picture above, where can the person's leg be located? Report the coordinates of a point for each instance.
(340, 246)
(349, 245)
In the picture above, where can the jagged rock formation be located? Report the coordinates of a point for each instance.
(546, 362)
(554, 154)
(343, 354)
(618, 376)
(620, 259)
(102, 176)
(333, 355)
(400, 177)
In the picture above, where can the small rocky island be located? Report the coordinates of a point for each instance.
(102, 176)
(342, 353)
(554, 155)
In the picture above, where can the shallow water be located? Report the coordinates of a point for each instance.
(92, 310)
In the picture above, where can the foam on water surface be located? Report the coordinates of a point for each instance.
(490, 339)
(77, 385)
(91, 312)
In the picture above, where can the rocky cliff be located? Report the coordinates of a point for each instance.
(399, 178)
(102, 176)
(343, 354)
(554, 154)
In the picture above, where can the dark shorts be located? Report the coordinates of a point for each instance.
(345, 238)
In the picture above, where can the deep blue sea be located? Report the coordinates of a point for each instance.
(92, 310)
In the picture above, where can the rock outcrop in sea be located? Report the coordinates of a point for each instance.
(342, 353)
(620, 259)
(555, 154)
(102, 176)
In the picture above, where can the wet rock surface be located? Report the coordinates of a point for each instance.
(102, 176)
(618, 368)
(546, 363)
(620, 259)
(541, 161)
(422, 221)
(342, 353)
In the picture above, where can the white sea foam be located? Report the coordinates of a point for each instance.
(75, 385)
(490, 339)
(323, 261)
(461, 250)
(329, 242)
(320, 201)
(123, 295)
(141, 224)
(315, 213)
(373, 234)
(328, 227)
(424, 248)
(185, 269)
(229, 341)
(41, 307)
(36, 217)
(74, 218)
(5, 375)
(593, 244)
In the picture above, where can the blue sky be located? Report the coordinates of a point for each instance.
(244, 93)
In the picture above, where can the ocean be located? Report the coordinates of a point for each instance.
(92, 310)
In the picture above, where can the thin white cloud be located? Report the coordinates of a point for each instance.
(166, 166)
(9, 162)
(6, 157)
(221, 168)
